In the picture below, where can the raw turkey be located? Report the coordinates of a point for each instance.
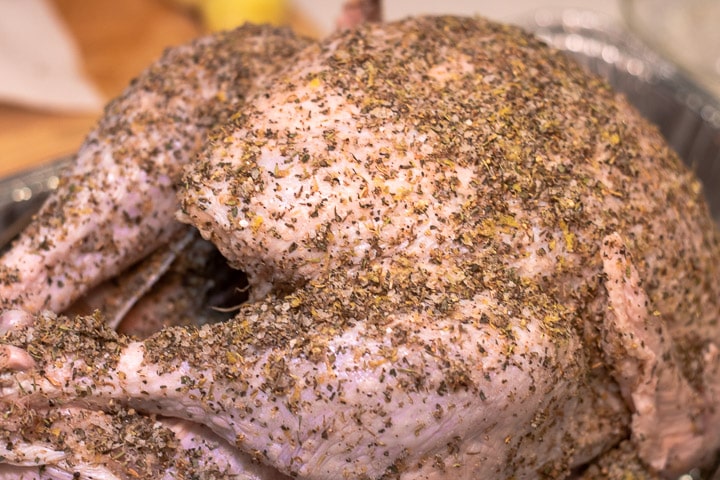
(467, 258)
(117, 203)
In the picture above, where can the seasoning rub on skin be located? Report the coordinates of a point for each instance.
(467, 256)
(118, 201)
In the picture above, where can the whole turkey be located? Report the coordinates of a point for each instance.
(468, 258)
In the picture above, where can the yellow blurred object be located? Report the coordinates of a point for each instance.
(226, 14)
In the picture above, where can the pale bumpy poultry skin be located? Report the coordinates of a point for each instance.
(469, 259)
(57, 443)
(117, 203)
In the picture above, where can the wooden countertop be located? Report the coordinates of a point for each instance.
(117, 40)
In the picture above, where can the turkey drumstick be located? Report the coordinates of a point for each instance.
(117, 203)
(66, 442)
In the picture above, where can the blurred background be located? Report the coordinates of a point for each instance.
(62, 60)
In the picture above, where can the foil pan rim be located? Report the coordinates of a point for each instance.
(598, 36)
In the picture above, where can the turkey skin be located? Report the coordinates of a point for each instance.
(116, 203)
(467, 258)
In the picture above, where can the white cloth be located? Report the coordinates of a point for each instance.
(39, 62)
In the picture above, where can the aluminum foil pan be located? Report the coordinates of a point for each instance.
(22, 195)
(688, 116)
